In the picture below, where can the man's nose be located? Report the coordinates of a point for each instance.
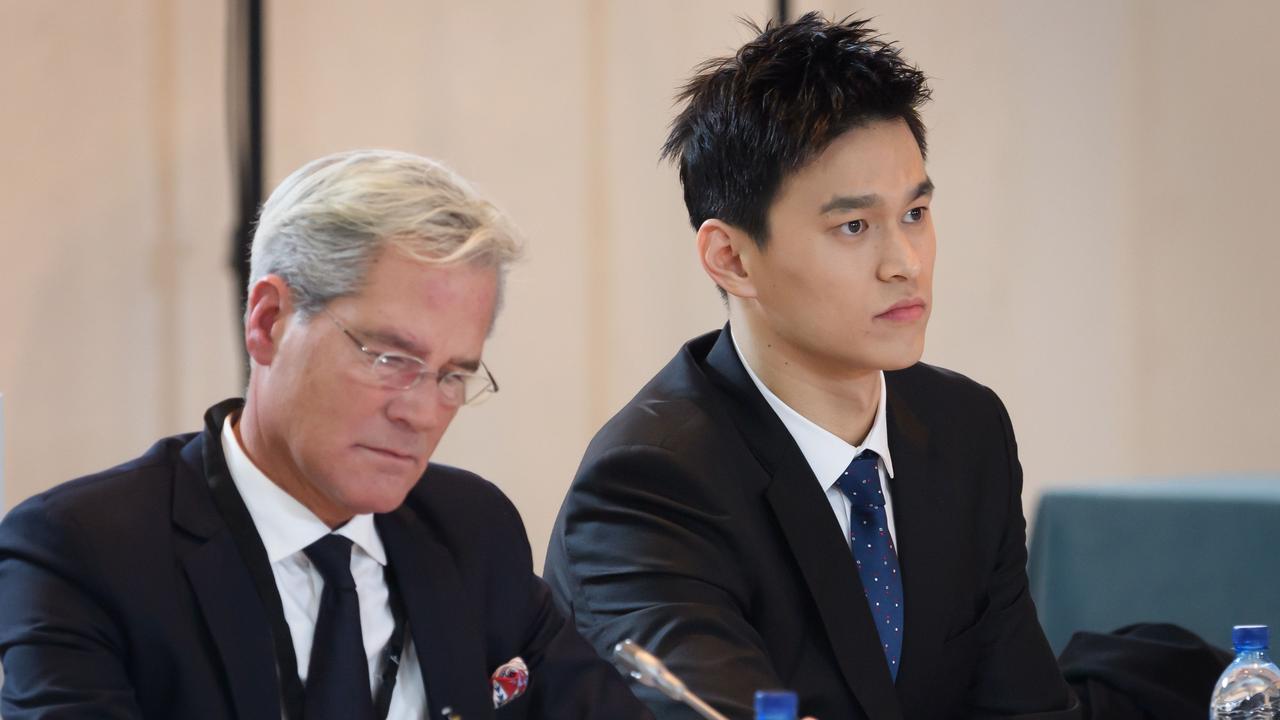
(899, 257)
(420, 407)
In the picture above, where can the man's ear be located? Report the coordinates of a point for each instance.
(721, 247)
(270, 302)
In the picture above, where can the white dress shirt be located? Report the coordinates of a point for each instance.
(286, 527)
(828, 455)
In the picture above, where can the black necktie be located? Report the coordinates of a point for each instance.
(338, 676)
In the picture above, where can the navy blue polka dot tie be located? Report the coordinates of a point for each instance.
(873, 551)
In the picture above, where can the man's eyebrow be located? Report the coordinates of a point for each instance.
(843, 203)
(405, 345)
(397, 341)
(850, 202)
(465, 364)
(924, 188)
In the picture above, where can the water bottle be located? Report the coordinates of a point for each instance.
(1249, 688)
(776, 705)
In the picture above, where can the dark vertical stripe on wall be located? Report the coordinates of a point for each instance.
(783, 12)
(245, 126)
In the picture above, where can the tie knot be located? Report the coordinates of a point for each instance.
(331, 555)
(861, 482)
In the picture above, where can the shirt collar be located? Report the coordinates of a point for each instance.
(828, 455)
(285, 525)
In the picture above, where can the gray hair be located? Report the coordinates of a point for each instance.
(322, 227)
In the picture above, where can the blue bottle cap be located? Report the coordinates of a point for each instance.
(1249, 637)
(776, 704)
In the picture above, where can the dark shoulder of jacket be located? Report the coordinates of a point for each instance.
(113, 504)
(458, 504)
(673, 406)
(937, 394)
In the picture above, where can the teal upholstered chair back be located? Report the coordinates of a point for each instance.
(1201, 552)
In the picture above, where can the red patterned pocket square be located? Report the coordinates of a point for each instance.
(510, 681)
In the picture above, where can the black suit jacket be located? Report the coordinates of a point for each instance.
(696, 527)
(124, 595)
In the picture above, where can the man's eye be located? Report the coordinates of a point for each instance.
(854, 227)
(397, 363)
(914, 215)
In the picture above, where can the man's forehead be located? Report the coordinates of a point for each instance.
(387, 336)
(433, 312)
(875, 168)
(880, 158)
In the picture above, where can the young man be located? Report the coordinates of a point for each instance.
(796, 501)
(299, 556)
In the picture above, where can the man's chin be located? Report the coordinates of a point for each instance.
(904, 358)
(901, 363)
(379, 504)
(383, 495)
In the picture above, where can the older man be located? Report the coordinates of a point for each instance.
(299, 557)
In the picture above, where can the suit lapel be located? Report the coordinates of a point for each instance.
(238, 627)
(224, 591)
(921, 525)
(812, 534)
(446, 636)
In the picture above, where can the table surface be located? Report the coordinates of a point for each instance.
(1201, 552)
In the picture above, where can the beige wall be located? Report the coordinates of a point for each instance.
(115, 302)
(1105, 258)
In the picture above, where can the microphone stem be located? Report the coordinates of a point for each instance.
(703, 709)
